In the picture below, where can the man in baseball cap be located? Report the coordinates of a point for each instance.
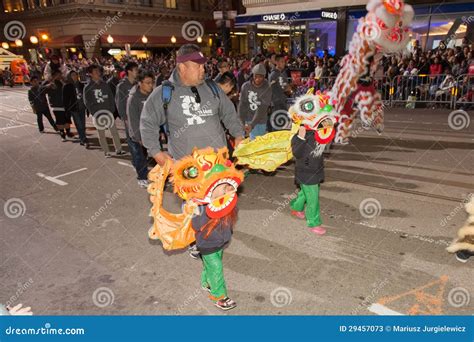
(194, 112)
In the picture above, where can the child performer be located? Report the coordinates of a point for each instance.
(211, 237)
(309, 173)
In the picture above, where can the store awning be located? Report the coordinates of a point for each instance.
(137, 40)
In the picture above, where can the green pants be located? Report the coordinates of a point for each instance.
(309, 195)
(213, 275)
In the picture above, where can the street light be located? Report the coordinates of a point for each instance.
(5, 45)
(199, 40)
(44, 36)
(34, 40)
(19, 43)
(145, 41)
(173, 39)
(110, 40)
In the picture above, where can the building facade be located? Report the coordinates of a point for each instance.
(298, 26)
(87, 28)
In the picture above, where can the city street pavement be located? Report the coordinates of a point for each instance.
(77, 244)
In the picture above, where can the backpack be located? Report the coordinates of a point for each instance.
(167, 91)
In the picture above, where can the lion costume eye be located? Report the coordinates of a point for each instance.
(307, 106)
(190, 172)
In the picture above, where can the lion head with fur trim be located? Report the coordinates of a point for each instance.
(197, 176)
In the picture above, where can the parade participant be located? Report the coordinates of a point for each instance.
(98, 99)
(207, 181)
(54, 94)
(39, 104)
(279, 83)
(193, 110)
(136, 99)
(255, 101)
(74, 105)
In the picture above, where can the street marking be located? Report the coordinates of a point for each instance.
(425, 303)
(8, 127)
(55, 179)
(125, 164)
(382, 310)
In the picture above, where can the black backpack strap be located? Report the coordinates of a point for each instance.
(214, 88)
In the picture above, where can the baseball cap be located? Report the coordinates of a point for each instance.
(196, 57)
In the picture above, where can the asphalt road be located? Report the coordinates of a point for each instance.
(77, 244)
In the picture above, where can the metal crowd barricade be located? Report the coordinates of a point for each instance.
(422, 91)
(463, 93)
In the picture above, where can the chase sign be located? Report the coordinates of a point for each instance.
(274, 17)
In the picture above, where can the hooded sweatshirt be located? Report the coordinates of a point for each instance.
(98, 96)
(135, 103)
(254, 102)
(121, 96)
(191, 124)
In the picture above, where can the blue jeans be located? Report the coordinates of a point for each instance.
(258, 130)
(139, 159)
(80, 123)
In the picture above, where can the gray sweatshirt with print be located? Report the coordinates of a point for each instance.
(135, 103)
(191, 124)
(254, 103)
(98, 96)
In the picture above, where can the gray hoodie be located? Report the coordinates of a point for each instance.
(98, 96)
(190, 124)
(254, 102)
(121, 96)
(135, 103)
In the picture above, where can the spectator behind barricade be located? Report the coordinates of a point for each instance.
(436, 68)
(423, 66)
(445, 87)
(318, 71)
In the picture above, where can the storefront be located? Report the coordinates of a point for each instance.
(432, 24)
(291, 32)
(332, 29)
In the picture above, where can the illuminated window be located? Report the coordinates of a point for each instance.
(170, 4)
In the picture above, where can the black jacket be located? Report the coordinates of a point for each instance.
(219, 237)
(72, 97)
(37, 99)
(55, 95)
(309, 169)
